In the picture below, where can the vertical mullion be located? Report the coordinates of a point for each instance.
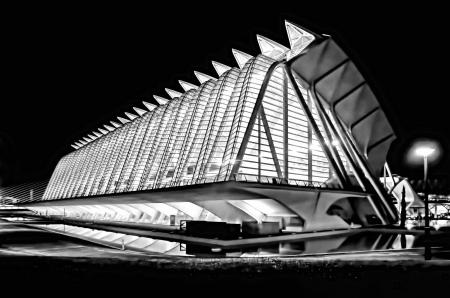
(310, 165)
(285, 127)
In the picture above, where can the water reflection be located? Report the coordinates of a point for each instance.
(353, 243)
(364, 241)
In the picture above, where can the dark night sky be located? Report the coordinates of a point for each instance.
(67, 71)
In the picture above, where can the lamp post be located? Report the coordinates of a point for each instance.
(425, 152)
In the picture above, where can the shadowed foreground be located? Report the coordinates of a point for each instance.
(360, 278)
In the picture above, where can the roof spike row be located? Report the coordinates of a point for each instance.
(160, 100)
(92, 137)
(173, 94)
(103, 131)
(97, 134)
(83, 142)
(202, 78)
(271, 48)
(75, 146)
(115, 124)
(299, 39)
(186, 86)
(123, 120)
(241, 57)
(220, 68)
(78, 144)
(131, 116)
(139, 111)
(108, 127)
(149, 106)
(87, 140)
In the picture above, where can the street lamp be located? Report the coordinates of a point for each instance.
(425, 152)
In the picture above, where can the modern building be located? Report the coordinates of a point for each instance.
(294, 135)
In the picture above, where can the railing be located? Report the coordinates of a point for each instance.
(282, 181)
(247, 178)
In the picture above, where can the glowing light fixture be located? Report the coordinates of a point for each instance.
(424, 151)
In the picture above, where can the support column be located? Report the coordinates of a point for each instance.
(259, 145)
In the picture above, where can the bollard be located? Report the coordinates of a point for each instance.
(403, 209)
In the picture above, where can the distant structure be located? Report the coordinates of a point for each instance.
(294, 135)
(23, 193)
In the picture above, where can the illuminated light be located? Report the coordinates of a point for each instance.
(271, 48)
(335, 143)
(421, 149)
(241, 57)
(173, 94)
(424, 151)
(186, 86)
(92, 137)
(139, 111)
(220, 68)
(202, 78)
(102, 131)
(74, 146)
(123, 120)
(160, 100)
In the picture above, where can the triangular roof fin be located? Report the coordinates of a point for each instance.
(108, 127)
(172, 93)
(186, 86)
(271, 48)
(202, 78)
(115, 124)
(131, 116)
(149, 106)
(160, 100)
(220, 68)
(299, 39)
(241, 57)
(139, 111)
(123, 120)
